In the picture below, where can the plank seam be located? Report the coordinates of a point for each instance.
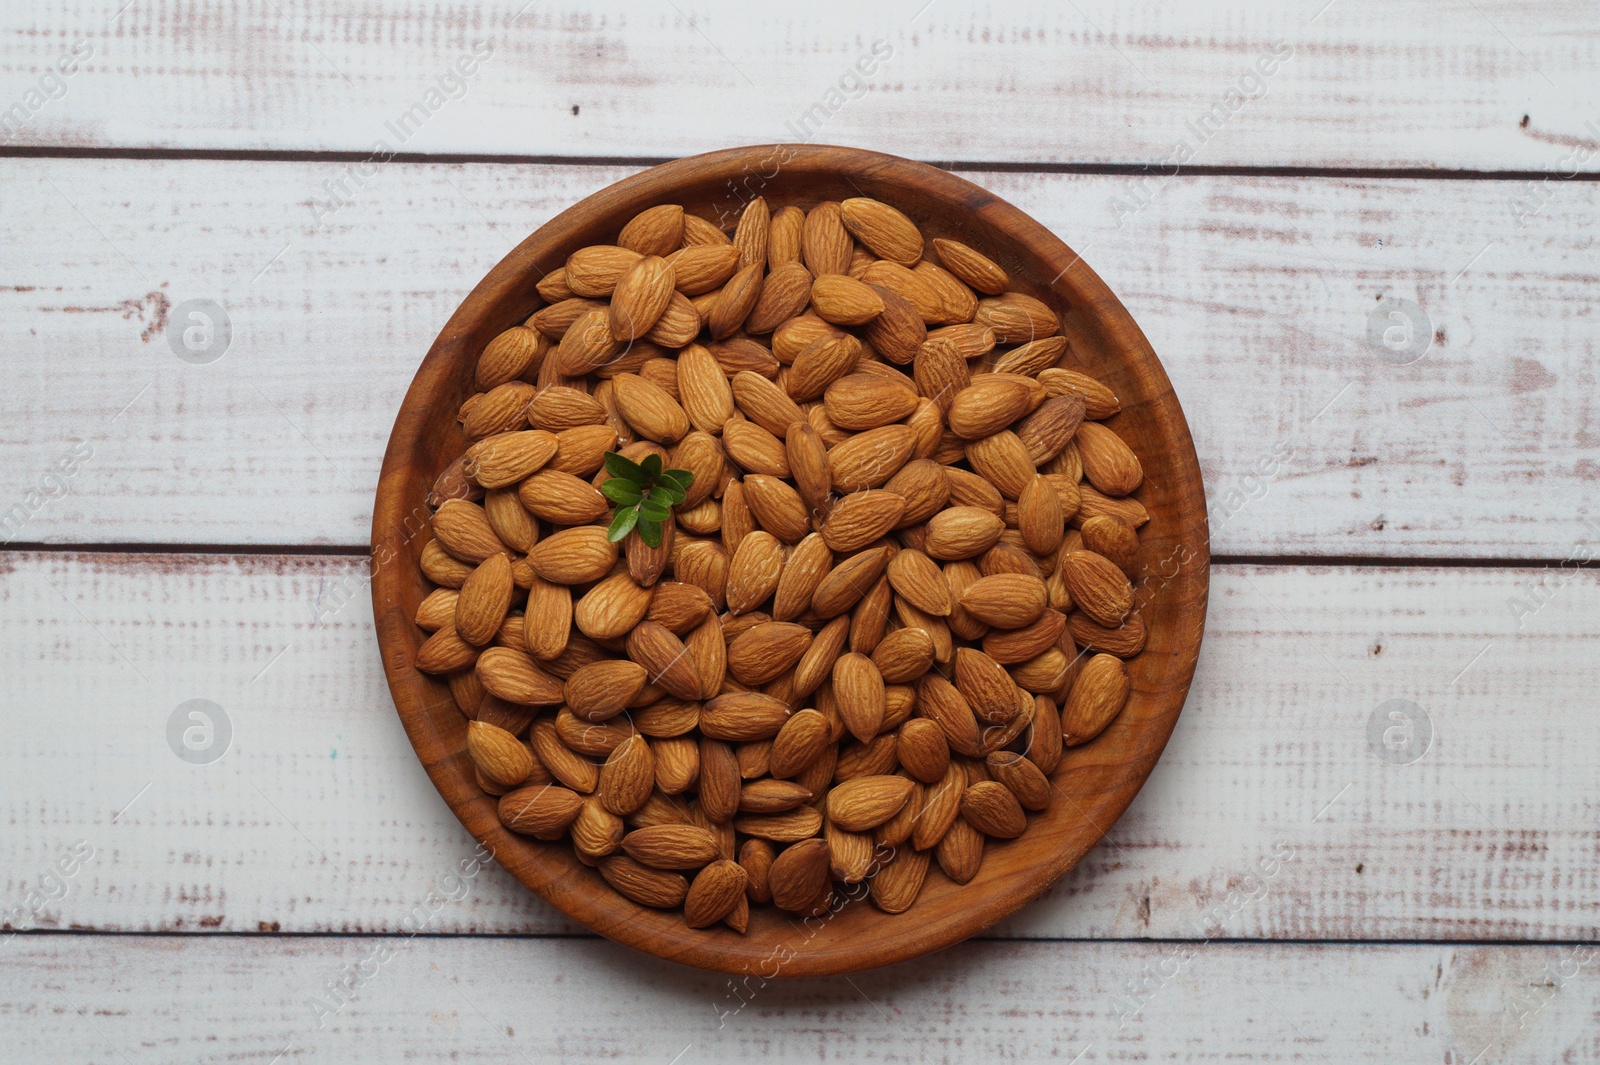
(966, 165)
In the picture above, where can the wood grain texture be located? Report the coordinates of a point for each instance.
(320, 819)
(72, 999)
(1255, 292)
(1414, 84)
(1093, 784)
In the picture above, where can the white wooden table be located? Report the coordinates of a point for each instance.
(1373, 274)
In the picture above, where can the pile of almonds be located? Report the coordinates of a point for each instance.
(898, 587)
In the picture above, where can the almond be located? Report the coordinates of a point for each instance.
(1021, 777)
(798, 577)
(508, 356)
(763, 652)
(574, 556)
(713, 894)
(1047, 431)
(1040, 518)
(960, 851)
(754, 449)
(543, 811)
(678, 325)
(581, 450)
(848, 582)
(665, 659)
(648, 887)
(923, 750)
(770, 796)
(866, 802)
(860, 518)
(954, 303)
(656, 231)
(940, 701)
(843, 300)
(898, 332)
(700, 268)
(596, 831)
(602, 690)
(506, 458)
(595, 271)
(512, 676)
(903, 655)
(557, 408)
(1030, 359)
(497, 754)
(1098, 587)
(1003, 461)
(548, 621)
(799, 874)
(803, 822)
(914, 576)
(987, 688)
(799, 742)
(779, 510)
(764, 403)
(941, 805)
(785, 294)
(991, 403)
(1099, 401)
(483, 600)
(1006, 600)
(1008, 647)
(867, 401)
(1098, 695)
(1108, 462)
(561, 498)
(653, 413)
(1109, 537)
(887, 232)
(868, 459)
(899, 882)
(743, 716)
(962, 532)
(753, 572)
(977, 270)
(627, 778)
(1017, 318)
(611, 609)
(704, 564)
(671, 846)
(825, 244)
(989, 807)
(940, 372)
(735, 301)
(820, 363)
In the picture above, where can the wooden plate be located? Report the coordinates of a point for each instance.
(1093, 784)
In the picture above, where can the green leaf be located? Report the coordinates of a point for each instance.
(622, 524)
(621, 490)
(654, 511)
(668, 494)
(627, 469)
(651, 466)
(650, 532)
(679, 479)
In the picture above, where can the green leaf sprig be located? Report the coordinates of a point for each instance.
(644, 494)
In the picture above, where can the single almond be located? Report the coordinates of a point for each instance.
(989, 807)
(843, 300)
(798, 874)
(654, 231)
(972, 267)
(887, 232)
(543, 811)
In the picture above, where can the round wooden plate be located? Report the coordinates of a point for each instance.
(1093, 784)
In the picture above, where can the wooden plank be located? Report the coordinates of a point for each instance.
(1452, 85)
(78, 998)
(1259, 294)
(1274, 813)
